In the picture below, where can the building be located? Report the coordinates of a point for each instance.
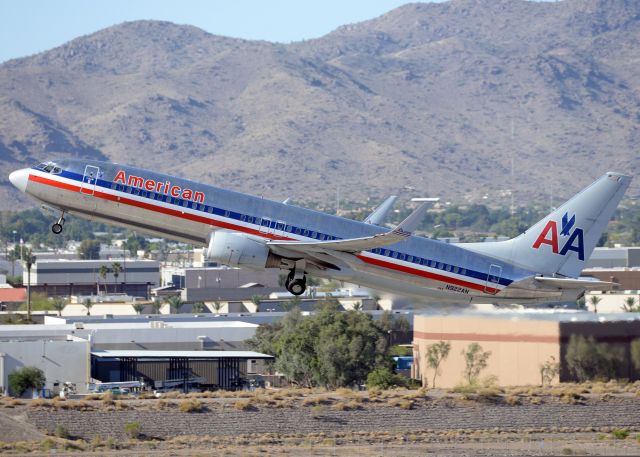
(82, 277)
(617, 257)
(520, 343)
(624, 278)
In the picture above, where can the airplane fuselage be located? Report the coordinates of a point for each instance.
(188, 211)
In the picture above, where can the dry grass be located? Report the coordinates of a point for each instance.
(191, 405)
(107, 398)
(512, 400)
(244, 405)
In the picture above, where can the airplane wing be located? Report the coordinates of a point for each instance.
(351, 245)
(569, 283)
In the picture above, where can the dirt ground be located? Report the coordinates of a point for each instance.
(572, 420)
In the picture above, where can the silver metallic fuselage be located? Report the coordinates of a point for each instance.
(159, 204)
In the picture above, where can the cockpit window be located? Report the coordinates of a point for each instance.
(49, 167)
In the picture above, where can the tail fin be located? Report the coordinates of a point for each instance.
(562, 242)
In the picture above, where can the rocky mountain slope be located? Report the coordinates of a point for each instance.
(441, 97)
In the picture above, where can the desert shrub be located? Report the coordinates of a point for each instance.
(26, 378)
(39, 403)
(475, 361)
(512, 400)
(384, 378)
(132, 429)
(620, 433)
(191, 405)
(316, 411)
(107, 398)
(244, 405)
(61, 432)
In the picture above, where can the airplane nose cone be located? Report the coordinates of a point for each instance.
(19, 178)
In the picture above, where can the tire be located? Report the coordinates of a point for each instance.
(297, 286)
(56, 228)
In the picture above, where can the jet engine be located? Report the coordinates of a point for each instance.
(239, 250)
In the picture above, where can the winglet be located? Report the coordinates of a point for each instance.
(381, 212)
(408, 225)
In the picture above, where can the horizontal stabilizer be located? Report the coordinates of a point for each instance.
(568, 283)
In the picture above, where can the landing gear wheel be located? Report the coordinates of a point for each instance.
(58, 226)
(297, 286)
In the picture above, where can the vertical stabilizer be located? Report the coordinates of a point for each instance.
(562, 242)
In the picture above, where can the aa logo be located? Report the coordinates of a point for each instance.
(575, 237)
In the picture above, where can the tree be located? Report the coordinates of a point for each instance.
(138, 307)
(26, 378)
(217, 306)
(329, 348)
(197, 307)
(475, 360)
(87, 303)
(59, 304)
(549, 370)
(256, 299)
(436, 353)
(357, 306)
(594, 300)
(156, 305)
(116, 268)
(629, 305)
(103, 272)
(89, 250)
(587, 359)
(175, 303)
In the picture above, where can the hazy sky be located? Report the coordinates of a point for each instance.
(31, 26)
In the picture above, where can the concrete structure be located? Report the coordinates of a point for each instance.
(519, 343)
(618, 257)
(82, 277)
(626, 278)
(61, 361)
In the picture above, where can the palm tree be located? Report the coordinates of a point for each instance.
(104, 271)
(156, 305)
(87, 304)
(175, 303)
(217, 306)
(197, 307)
(59, 304)
(116, 268)
(357, 306)
(629, 304)
(256, 299)
(138, 307)
(594, 299)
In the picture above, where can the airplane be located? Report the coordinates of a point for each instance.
(542, 265)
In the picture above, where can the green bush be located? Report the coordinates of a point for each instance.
(26, 378)
(620, 433)
(384, 378)
(61, 431)
(132, 429)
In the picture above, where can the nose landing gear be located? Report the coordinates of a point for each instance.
(58, 226)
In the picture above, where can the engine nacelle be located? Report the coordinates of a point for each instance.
(239, 251)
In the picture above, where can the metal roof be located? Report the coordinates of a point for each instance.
(183, 354)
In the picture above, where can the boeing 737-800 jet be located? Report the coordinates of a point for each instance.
(540, 266)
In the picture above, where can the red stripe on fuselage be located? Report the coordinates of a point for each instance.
(426, 274)
(240, 228)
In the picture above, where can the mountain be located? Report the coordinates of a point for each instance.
(441, 97)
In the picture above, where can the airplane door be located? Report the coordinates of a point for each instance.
(493, 279)
(89, 180)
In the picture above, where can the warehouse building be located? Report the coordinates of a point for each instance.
(520, 343)
(82, 277)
